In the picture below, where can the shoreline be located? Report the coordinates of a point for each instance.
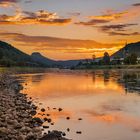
(24, 70)
(17, 121)
(108, 67)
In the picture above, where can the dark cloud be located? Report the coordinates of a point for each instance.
(123, 34)
(11, 1)
(93, 22)
(116, 27)
(136, 4)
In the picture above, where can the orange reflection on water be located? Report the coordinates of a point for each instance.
(116, 118)
(55, 115)
(64, 85)
(98, 98)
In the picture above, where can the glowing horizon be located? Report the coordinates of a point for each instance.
(69, 30)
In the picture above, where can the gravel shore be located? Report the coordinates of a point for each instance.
(16, 114)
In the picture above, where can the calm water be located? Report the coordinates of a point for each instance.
(107, 101)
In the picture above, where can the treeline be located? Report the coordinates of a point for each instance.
(106, 60)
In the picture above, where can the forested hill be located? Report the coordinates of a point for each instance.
(130, 48)
(10, 56)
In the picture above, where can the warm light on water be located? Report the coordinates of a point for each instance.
(103, 99)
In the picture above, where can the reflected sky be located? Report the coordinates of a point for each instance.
(98, 97)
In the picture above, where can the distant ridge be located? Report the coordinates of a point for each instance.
(130, 48)
(9, 55)
(37, 57)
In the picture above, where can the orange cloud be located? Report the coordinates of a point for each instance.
(61, 46)
(110, 16)
(113, 16)
(40, 17)
(102, 19)
(8, 3)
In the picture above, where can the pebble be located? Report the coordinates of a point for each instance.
(67, 118)
(43, 110)
(44, 126)
(78, 132)
(60, 109)
(16, 114)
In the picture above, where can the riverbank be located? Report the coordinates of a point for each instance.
(96, 67)
(17, 121)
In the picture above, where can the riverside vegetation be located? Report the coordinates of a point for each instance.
(17, 121)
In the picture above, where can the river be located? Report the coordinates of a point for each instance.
(101, 104)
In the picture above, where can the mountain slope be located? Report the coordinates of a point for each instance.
(12, 56)
(130, 48)
(37, 57)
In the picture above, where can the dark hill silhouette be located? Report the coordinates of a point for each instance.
(52, 63)
(37, 57)
(130, 48)
(10, 56)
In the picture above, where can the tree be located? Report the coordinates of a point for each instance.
(1, 54)
(134, 58)
(93, 57)
(7, 62)
(131, 59)
(106, 58)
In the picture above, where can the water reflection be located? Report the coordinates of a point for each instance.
(131, 82)
(98, 97)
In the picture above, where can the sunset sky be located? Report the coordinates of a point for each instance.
(69, 29)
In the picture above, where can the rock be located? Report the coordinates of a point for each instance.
(63, 134)
(80, 119)
(17, 126)
(37, 121)
(45, 119)
(12, 122)
(49, 120)
(21, 137)
(16, 111)
(67, 118)
(54, 135)
(78, 132)
(60, 109)
(25, 129)
(68, 129)
(52, 123)
(31, 136)
(43, 110)
(44, 126)
(48, 114)
(33, 112)
(3, 131)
